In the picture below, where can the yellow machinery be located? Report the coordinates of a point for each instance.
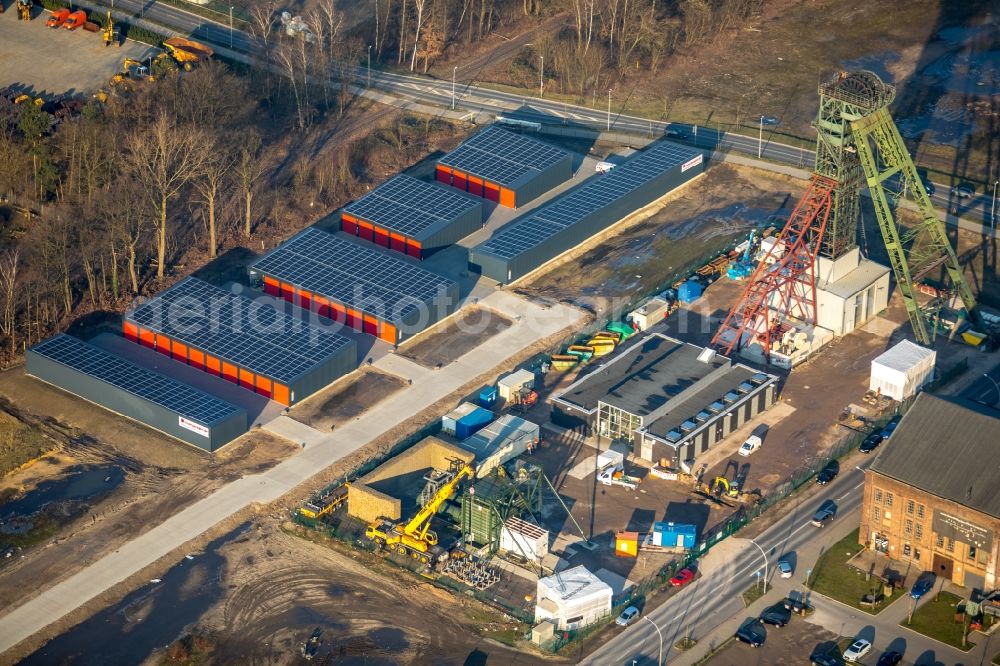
(415, 538)
(723, 486)
(319, 507)
(111, 32)
(24, 10)
(187, 52)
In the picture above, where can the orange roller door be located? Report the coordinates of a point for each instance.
(381, 237)
(213, 365)
(263, 386)
(443, 174)
(147, 338)
(338, 312)
(507, 198)
(179, 351)
(349, 225)
(387, 332)
(288, 292)
(397, 242)
(280, 394)
(476, 186)
(303, 299)
(229, 372)
(247, 379)
(321, 306)
(413, 248)
(460, 181)
(354, 319)
(366, 230)
(370, 325)
(131, 331)
(271, 286)
(491, 192)
(196, 358)
(163, 344)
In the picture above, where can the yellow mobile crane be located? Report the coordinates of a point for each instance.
(415, 538)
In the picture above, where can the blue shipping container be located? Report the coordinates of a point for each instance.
(488, 396)
(672, 535)
(689, 292)
(476, 420)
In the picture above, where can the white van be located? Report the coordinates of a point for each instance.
(752, 444)
(604, 167)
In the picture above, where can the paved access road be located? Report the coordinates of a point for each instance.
(728, 571)
(531, 322)
(985, 389)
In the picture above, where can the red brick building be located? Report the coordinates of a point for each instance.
(932, 496)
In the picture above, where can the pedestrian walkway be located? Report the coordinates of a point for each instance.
(532, 322)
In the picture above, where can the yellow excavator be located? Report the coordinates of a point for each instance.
(111, 32)
(415, 538)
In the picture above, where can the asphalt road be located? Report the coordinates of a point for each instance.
(985, 389)
(715, 596)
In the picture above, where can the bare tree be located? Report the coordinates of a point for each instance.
(166, 157)
(249, 170)
(8, 291)
(419, 5)
(288, 59)
(209, 182)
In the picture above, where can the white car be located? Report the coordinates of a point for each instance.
(858, 649)
(785, 569)
(627, 616)
(752, 444)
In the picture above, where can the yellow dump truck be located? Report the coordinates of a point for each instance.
(187, 52)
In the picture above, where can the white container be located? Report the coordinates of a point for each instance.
(449, 420)
(902, 370)
(501, 441)
(524, 539)
(610, 458)
(649, 313)
(572, 598)
(514, 382)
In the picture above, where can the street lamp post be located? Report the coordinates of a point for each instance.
(541, 77)
(765, 561)
(993, 208)
(230, 26)
(659, 660)
(454, 72)
(995, 384)
(760, 138)
(370, 66)
(609, 109)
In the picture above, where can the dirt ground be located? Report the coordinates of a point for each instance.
(649, 253)
(460, 334)
(346, 400)
(791, 644)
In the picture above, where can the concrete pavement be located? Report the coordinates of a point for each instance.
(531, 322)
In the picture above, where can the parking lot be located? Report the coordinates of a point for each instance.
(791, 644)
(52, 62)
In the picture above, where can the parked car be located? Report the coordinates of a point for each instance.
(828, 473)
(627, 616)
(825, 659)
(890, 658)
(890, 427)
(962, 191)
(752, 632)
(826, 512)
(795, 605)
(752, 444)
(785, 569)
(770, 120)
(683, 577)
(871, 442)
(923, 585)
(777, 615)
(858, 649)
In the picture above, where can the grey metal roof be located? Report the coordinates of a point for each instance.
(503, 157)
(701, 400)
(949, 448)
(867, 273)
(643, 377)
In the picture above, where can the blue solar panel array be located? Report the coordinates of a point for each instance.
(353, 274)
(180, 398)
(411, 206)
(502, 157)
(596, 194)
(248, 333)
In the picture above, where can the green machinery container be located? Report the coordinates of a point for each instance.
(495, 498)
(622, 329)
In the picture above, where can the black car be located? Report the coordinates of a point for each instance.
(778, 615)
(828, 473)
(871, 442)
(890, 658)
(752, 632)
(825, 659)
